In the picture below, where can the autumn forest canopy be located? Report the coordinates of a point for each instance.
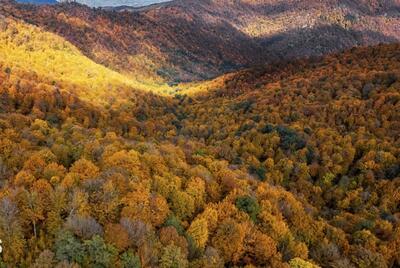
(179, 136)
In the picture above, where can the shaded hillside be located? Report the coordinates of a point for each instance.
(189, 40)
(327, 130)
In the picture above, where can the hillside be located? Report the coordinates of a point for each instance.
(27, 48)
(186, 40)
(291, 162)
(291, 165)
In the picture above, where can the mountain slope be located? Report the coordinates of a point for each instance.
(189, 40)
(284, 165)
(296, 164)
(24, 47)
(46, 71)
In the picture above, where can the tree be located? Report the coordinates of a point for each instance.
(300, 263)
(130, 260)
(24, 178)
(229, 240)
(38, 161)
(68, 248)
(197, 189)
(172, 258)
(98, 253)
(260, 247)
(57, 207)
(169, 235)
(116, 235)
(137, 204)
(85, 169)
(159, 209)
(54, 172)
(11, 232)
(173, 221)
(32, 208)
(363, 258)
(198, 230)
(212, 258)
(128, 161)
(45, 260)
(249, 205)
(183, 204)
(210, 214)
(83, 226)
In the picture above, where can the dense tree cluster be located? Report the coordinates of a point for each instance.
(285, 166)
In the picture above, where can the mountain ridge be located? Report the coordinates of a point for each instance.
(196, 40)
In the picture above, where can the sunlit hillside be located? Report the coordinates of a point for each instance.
(26, 48)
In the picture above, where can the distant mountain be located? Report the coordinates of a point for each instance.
(115, 3)
(186, 40)
(98, 3)
(39, 2)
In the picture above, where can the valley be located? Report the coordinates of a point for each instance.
(200, 134)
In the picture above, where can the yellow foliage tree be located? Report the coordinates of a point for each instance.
(198, 230)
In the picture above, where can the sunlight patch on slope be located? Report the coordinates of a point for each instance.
(28, 48)
(263, 26)
(199, 87)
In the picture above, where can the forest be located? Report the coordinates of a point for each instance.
(191, 40)
(294, 164)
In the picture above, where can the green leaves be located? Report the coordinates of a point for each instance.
(68, 247)
(90, 253)
(249, 205)
(99, 254)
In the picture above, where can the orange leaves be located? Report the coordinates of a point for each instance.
(159, 209)
(116, 235)
(169, 236)
(137, 205)
(84, 169)
(260, 246)
(24, 178)
(128, 161)
(141, 204)
(54, 172)
(229, 239)
(38, 161)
